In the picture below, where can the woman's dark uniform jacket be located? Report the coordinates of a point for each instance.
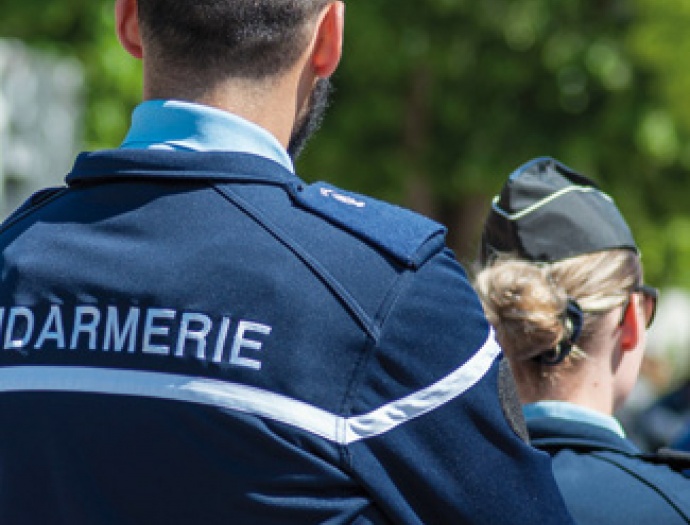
(202, 338)
(605, 479)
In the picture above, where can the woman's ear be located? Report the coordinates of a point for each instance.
(127, 27)
(631, 325)
(328, 40)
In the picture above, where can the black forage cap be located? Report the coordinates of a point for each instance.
(547, 212)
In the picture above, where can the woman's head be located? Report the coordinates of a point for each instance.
(558, 269)
(527, 302)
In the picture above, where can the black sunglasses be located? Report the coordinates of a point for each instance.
(650, 296)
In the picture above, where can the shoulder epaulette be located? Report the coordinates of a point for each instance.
(409, 237)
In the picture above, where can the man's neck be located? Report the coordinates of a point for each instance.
(271, 105)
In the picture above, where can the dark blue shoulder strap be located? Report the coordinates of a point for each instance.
(409, 237)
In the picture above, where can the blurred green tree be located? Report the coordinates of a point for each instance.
(436, 102)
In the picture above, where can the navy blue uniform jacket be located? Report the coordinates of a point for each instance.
(200, 338)
(605, 479)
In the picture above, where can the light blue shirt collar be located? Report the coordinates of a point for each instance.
(572, 412)
(177, 125)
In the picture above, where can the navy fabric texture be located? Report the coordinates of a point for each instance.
(203, 338)
(604, 478)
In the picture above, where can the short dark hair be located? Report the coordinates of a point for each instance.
(243, 38)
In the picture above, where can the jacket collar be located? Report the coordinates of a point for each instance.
(186, 126)
(557, 433)
(573, 412)
(155, 164)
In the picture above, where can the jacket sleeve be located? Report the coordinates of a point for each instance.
(428, 436)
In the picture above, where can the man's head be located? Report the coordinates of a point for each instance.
(251, 39)
(266, 60)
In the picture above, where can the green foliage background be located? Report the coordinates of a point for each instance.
(437, 101)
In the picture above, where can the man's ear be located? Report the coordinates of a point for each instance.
(328, 40)
(127, 26)
(631, 325)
